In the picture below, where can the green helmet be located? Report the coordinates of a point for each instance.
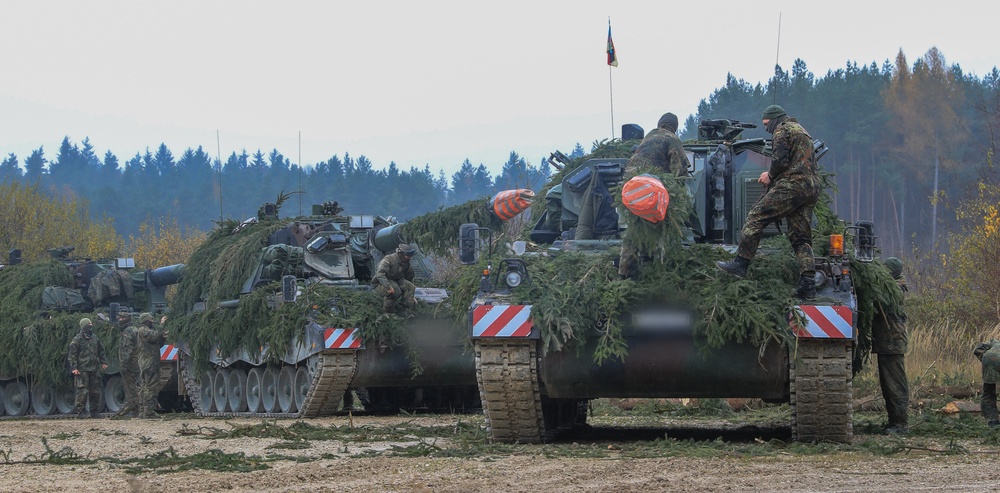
(84, 322)
(406, 250)
(145, 317)
(895, 267)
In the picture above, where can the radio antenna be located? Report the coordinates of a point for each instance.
(777, 51)
(218, 153)
(300, 172)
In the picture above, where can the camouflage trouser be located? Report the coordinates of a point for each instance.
(789, 200)
(401, 291)
(895, 388)
(130, 379)
(88, 388)
(988, 403)
(149, 385)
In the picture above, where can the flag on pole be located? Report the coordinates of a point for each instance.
(612, 56)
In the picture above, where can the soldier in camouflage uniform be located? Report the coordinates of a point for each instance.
(86, 360)
(149, 340)
(662, 149)
(128, 357)
(889, 339)
(989, 354)
(793, 189)
(394, 280)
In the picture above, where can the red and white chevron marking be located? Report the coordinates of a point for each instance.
(501, 321)
(168, 352)
(826, 322)
(342, 339)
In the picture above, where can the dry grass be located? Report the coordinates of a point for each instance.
(939, 355)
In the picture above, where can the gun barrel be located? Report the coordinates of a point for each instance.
(165, 276)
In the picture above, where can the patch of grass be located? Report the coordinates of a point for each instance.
(291, 445)
(66, 435)
(168, 461)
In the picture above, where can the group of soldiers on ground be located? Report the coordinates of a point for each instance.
(138, 355)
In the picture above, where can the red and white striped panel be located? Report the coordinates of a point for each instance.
(826, 322)
(342, 339)
(501, 321)
(168, 352)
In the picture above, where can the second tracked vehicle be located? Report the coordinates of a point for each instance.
(283, 322)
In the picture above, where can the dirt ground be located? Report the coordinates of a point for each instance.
(95, 447)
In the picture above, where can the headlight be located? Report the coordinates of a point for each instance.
(513, 279)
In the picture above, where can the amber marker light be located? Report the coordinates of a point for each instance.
(836, 245)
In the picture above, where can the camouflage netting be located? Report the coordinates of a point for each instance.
(217, 271)
(36, 343)
(437, 232)
(878, 296)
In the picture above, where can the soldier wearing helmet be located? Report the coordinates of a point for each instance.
(989, 354)
(86, 361)
(128, 357)
(394, 281)
(149, 339)
(889, 339)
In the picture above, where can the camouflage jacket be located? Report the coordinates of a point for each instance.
(889, 334)
(127, 351)
(86, 353)
(661, 149)
(392, 268)
(792, 155)
(989, 354)
(148, 341)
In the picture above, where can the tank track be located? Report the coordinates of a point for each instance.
(821, 393)
(507, 373)
(332, 371)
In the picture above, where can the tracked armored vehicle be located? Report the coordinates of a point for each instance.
(665, 341)
(43, 303)
(282, 321)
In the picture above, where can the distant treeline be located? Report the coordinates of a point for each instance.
(899, 138)
(152, 185)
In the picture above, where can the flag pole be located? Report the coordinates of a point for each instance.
(612, 92)
(612, 62)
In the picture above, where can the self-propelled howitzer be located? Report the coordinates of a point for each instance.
(43, 303)
(670, 329)
(282, 321)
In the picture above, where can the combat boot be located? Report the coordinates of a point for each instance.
(95, 414)
(807, 288)
(82, 415)
(737, 266)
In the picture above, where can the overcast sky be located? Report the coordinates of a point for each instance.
(428, 82)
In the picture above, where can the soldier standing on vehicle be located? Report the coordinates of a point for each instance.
(662, 149)
(128, 358)
(394, 280)
(889, 338)
(86, 360)
(793, 189)
(149, 340)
